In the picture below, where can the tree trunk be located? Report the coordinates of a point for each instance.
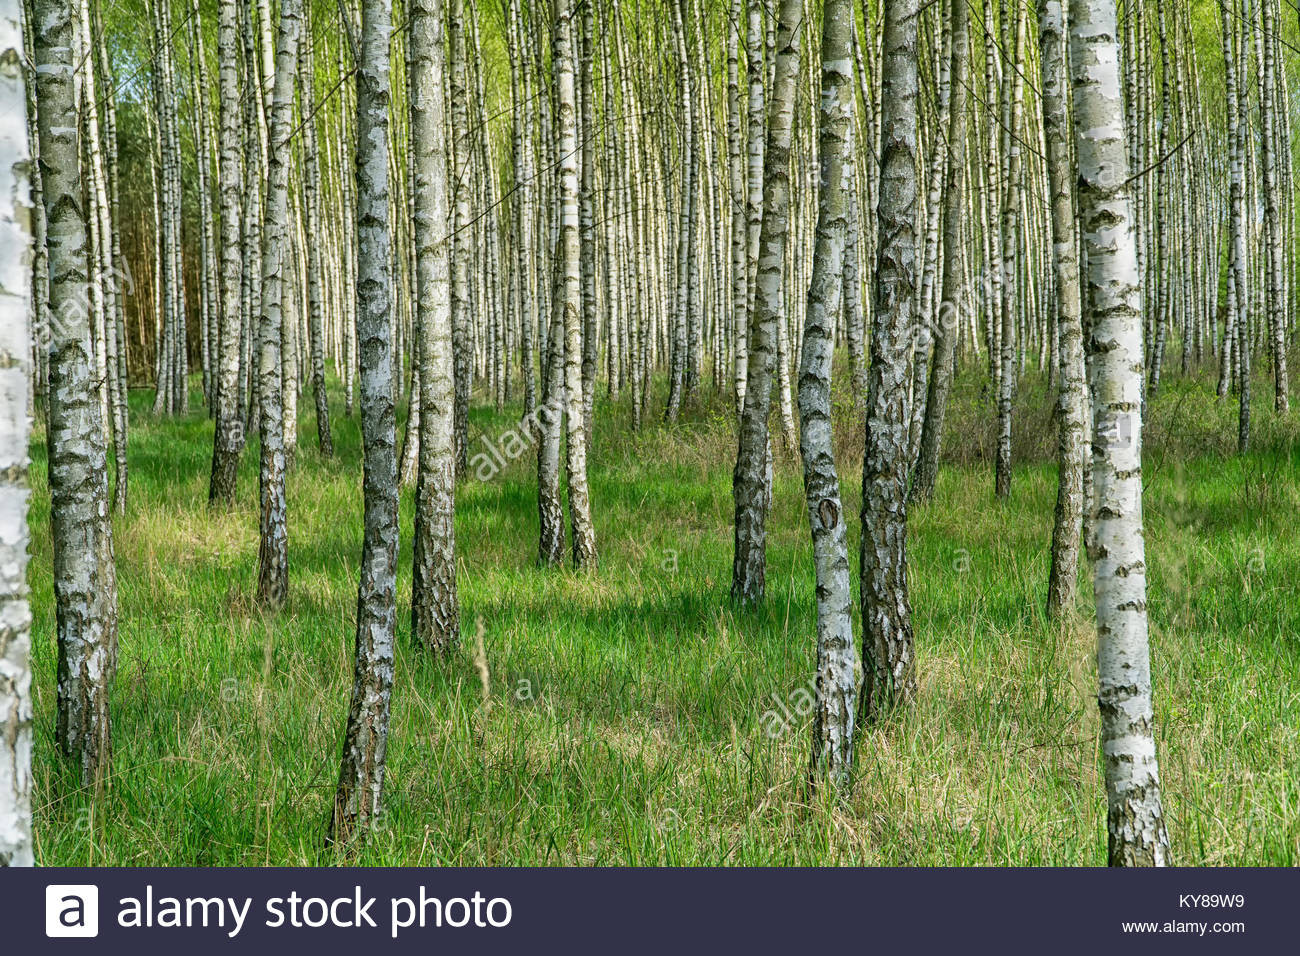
(571, 292)
(361, 777)
(1273, 240)
(1010, 232)
(886, 608)
(1072, 395)
(736, 169)
(435, 616)
(1135, 820)
(953, 294)
(751, 479)
(273, 550)
(463, 356)
(228, 435)
(311, 208)
(15, 372)
(837, 660)
(85, 584)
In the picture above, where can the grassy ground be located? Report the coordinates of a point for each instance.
(628, 713)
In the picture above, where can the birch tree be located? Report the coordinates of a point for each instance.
(228, 434)
(1273, 240)
(751, 477)
(15, 372)
(273, 551)
(1071, 394)
(311, 188)
(361, 776)
(1010, 227)
(886, 608)
(85, 583)
(435, 616)
(953, 294)
(569, 285)
(837, 661)
(736, 172)
(1135, 820)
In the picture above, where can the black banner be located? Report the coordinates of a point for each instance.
(657, 912)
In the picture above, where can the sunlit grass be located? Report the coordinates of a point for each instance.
(625, 719)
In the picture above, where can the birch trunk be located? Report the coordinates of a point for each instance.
(1010, 230)
(361, 776)
(837, 661)
(587, 236)
(1072, 395)
(736, 169)
(311, 185)
(85, 584)
(273, 550)
(1135, 820)
(228, 434)
(435, 616)
(524, 214)
(571, 298)
(463, 357)
(15, 379)
(751, 480)
(1273, 239)
(886, 608)
(953, 294)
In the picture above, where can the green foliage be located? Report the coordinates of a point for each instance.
(627, 716)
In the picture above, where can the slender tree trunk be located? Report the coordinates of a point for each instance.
(463, 356)
(587, 232)
(228, 435)
(1238, 320)
(435, 616)
(273, 551)
(15, 379)
(837, 660)
(953, 294)
(1161, 200)
(521, 73)
(886, 608)
(550, 416)
(573, 252)
(1010, 232)
(1273, 239)
(85, 582)
(1072, 394)
(751, 480)
(114, 273)
(311, 208)
(679, 370)
(1135, 820)
(361, 777)
(736, 169)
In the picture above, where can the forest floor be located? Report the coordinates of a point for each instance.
(633, 715)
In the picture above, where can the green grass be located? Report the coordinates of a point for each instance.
(625, 717)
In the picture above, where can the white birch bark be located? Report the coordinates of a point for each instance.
(1135, 820)
(85, 585)
(837, 661)
(15, 425)
(1072, 395)
(888, 655)
(228, 434)
(365, 744)
(273, 551)
(570, 289)
(750, 479)
(435, 616)
(953, 293)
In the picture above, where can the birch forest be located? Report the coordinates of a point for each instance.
(649, 432)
